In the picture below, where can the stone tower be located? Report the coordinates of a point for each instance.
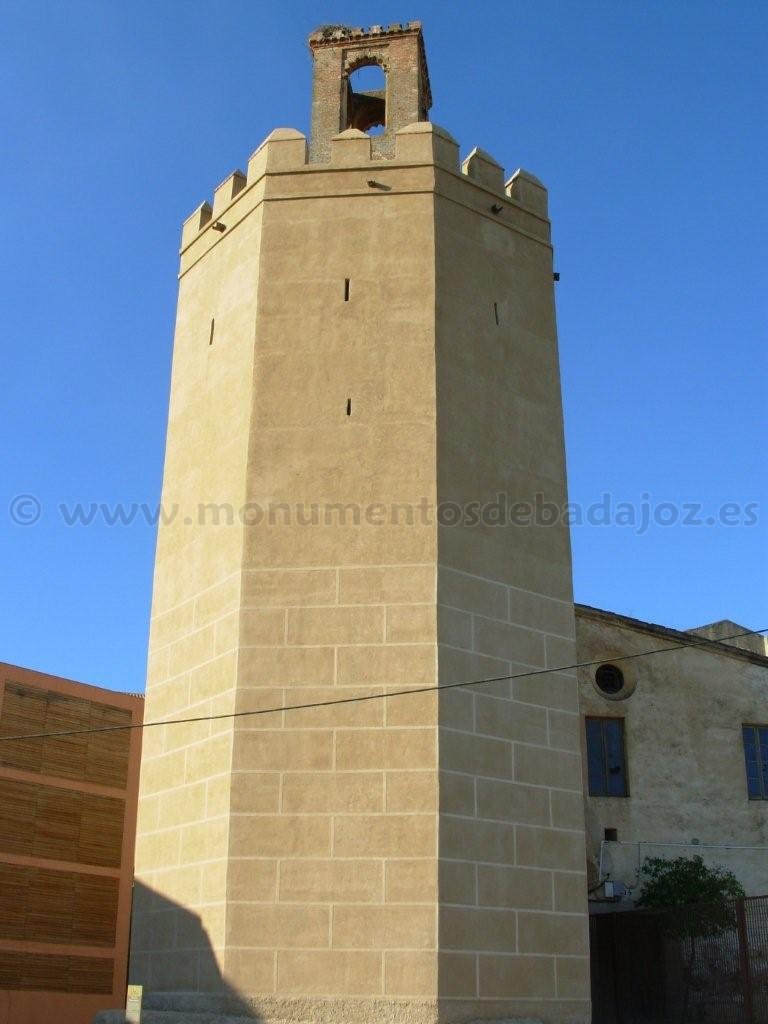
(365, 335)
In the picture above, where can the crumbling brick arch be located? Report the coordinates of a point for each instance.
(366, 109)
(364, 59)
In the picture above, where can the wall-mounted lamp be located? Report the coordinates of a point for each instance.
(497, 208)
(218, 226)
(372, 183)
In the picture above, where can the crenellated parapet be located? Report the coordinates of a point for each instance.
(425, 158)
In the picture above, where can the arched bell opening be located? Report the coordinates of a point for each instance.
(367, 98)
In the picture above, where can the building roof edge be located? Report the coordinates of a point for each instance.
(668, 633)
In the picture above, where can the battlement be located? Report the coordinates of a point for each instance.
(522, 197)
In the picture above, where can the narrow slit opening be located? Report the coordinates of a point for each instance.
(349, 407)
(496, 313)
(213, 327)
(346, 289)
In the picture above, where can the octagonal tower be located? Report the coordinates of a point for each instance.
(365, 401)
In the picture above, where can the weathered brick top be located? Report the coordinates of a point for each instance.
(335, 33)
(339, 50)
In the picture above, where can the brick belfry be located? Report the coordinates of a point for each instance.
(365, 334)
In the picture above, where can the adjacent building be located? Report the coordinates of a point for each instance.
(675, 750)
(67, 829)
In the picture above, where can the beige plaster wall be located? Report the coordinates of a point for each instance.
(334, 811)
(181, 854)
(316, 858)
(685, 755)
(513, 937)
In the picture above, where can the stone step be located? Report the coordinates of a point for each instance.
(187, 1017)
(198, 1008)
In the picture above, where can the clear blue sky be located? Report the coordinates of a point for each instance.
(645, 119)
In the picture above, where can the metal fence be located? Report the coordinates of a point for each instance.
(703, 964)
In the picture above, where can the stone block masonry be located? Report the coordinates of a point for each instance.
(384, 334)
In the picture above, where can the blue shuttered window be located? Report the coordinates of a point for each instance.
(756, 760)
(606, 759)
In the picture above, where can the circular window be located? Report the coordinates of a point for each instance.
(609, 679)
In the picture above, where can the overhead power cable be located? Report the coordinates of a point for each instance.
(698, 642)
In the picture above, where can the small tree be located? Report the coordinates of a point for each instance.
(684, 881)
(704, 892)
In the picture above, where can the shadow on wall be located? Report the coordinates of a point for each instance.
(173, 959)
